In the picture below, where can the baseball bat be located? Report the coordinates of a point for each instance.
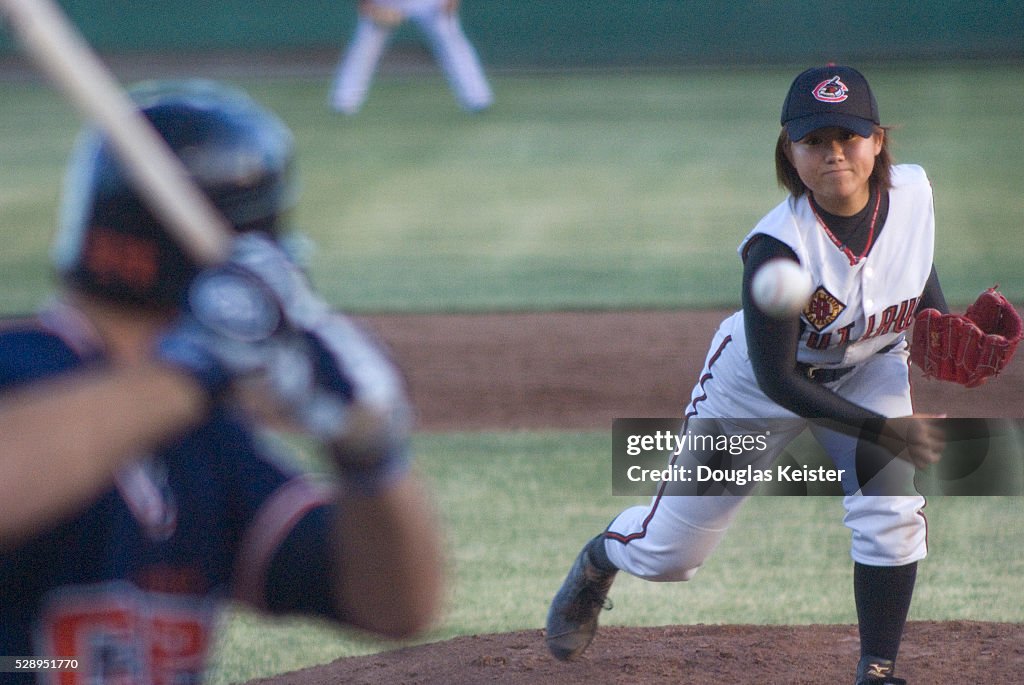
(59, 50)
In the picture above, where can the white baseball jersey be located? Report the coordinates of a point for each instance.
(861, 306)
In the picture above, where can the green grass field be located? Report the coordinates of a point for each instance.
(519, 506)
(588, 191)
(576, 191)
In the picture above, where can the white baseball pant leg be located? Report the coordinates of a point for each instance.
(355, 71)
(458, 59)
(887, 530)
(670, 539)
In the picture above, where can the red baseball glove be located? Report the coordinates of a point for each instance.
(967, 348)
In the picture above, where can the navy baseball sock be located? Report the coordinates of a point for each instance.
(599, 556)
(883, 597)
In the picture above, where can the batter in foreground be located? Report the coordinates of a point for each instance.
(141, 487)
(864, 230)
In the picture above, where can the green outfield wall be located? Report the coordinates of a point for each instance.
(581, 33)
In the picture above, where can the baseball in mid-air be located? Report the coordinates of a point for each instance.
(781, 288)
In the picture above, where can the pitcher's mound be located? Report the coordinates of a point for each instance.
(933, 653)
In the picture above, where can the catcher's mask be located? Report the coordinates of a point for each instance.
(240, 155)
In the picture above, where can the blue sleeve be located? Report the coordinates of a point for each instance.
(28, 354)
(284, 517)
(301, 577)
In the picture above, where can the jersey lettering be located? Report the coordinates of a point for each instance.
(122, 635)
(816, 341)
(888, 317)
(869, 330)
(895, 318)
(844, 334)
(905, 319)
(114, 257)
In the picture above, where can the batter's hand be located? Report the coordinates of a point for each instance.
(919, 439)
(256, 318)
(352, 393)
(353, 402)
(228, 330)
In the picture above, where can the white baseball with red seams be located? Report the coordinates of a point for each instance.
(781, 288)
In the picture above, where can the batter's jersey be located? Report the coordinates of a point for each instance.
(130, 584)
(859, 305)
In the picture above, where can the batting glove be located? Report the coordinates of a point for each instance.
(226, 330)
(358, 405)
(258, 315)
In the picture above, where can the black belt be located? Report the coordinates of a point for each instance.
(825, 374)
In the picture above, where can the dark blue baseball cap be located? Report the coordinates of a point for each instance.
(822, 97)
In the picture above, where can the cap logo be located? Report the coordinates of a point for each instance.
(831, 91)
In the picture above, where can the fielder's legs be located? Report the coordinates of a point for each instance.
(355, 71)
(458, 59)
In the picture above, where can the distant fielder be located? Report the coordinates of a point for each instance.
(438, 21)
(864, 230)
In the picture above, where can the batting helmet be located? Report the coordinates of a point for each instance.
(240, 155)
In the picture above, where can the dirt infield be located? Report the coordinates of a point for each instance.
(581, 371)
(933, 654)
(584, 369)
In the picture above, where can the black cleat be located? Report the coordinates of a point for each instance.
(572, 618)
(876, 671)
